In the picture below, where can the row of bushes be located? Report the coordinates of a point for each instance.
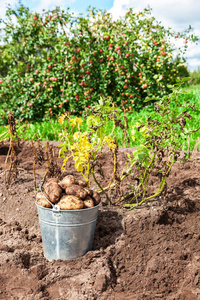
(54, 61)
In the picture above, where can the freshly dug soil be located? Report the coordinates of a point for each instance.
(152, 252)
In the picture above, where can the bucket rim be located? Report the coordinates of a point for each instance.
(70, 210)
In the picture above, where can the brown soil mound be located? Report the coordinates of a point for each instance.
(152, 252)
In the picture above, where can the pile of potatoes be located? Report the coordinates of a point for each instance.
(68, 193)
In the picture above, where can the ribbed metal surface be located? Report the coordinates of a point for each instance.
(67, 234)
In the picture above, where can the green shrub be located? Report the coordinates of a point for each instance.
(195, 77)
(55, 62)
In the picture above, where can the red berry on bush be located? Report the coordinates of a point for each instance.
(99, 60)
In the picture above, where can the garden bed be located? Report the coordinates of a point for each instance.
(151, 252)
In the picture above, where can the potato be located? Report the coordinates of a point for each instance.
(52, 180)
(89, 192)
(88, 202)
(96, 198)
(66, 181)
(76, 190)
(41, 200)
(81, 182)
(53, 191)
(70, 202)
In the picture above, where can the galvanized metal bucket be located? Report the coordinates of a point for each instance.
(67, 234)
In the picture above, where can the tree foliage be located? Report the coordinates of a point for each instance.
(55, 61)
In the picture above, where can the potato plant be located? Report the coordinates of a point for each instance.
(85, 147)
(55, 62)
(161, 139)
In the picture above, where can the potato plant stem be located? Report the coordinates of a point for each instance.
(34, 164)
(114, 171)
(161, 186)
(101, 188)
(121, 178)
(142, 180)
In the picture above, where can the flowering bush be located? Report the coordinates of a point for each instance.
(54, 62)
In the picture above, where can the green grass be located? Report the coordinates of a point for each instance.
(193, 97)
(192, 88)
(52, 130)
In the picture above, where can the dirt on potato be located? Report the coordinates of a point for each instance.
(152, 252)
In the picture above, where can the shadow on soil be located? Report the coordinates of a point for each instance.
(108, 229)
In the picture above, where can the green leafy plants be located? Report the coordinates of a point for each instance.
(161, 137)
(55, 62)
(86, 147)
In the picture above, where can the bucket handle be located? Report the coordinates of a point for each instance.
(55, 207)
